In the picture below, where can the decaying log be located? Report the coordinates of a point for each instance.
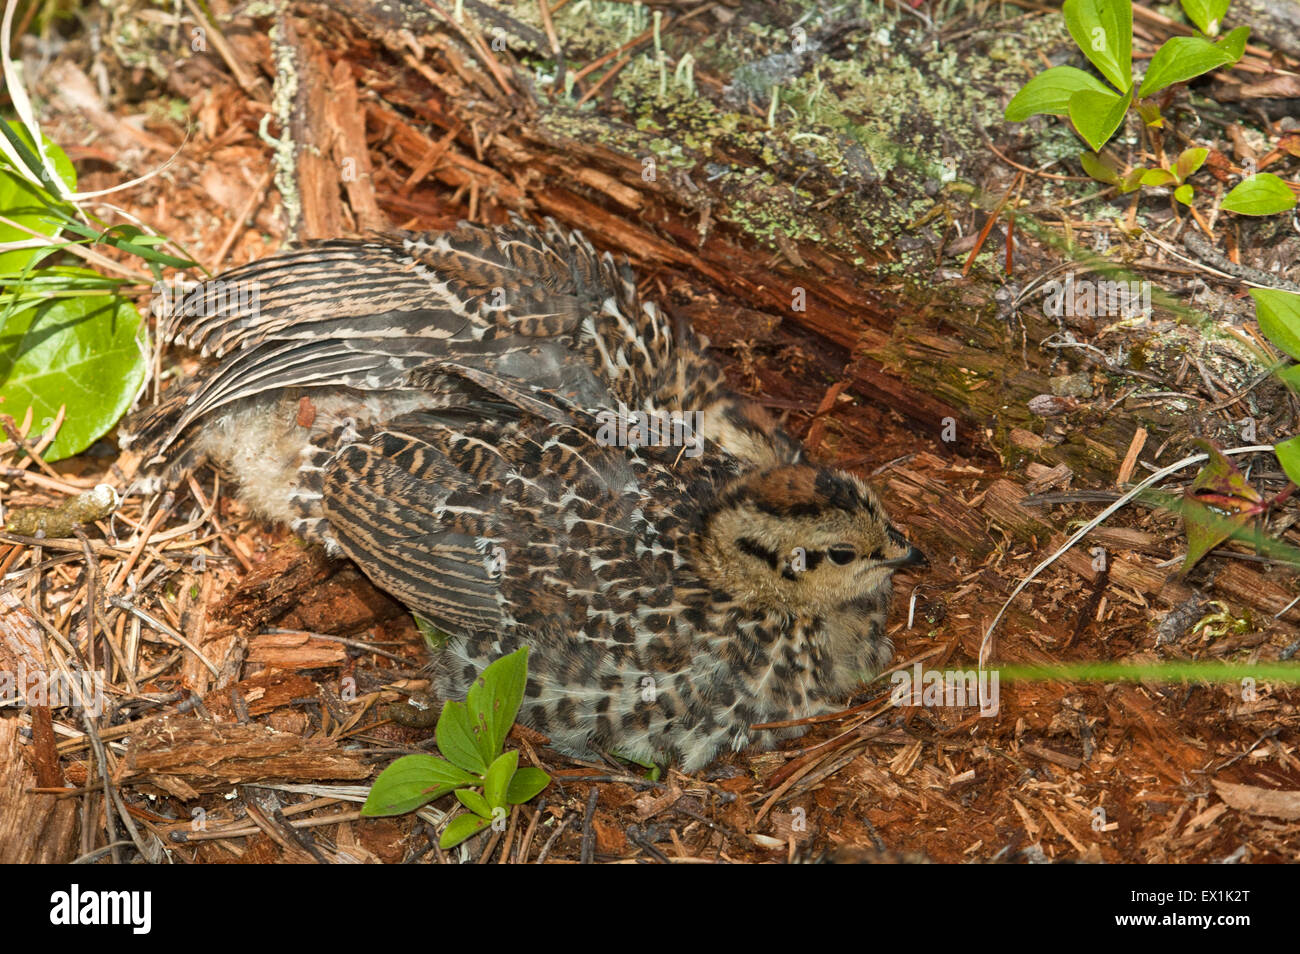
(824, 260)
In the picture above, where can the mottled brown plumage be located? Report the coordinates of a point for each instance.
(435, 408)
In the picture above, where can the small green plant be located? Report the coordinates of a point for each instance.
(470, 735)
(1219, 505)
(1102, 169)
(1103, 31)
(66, 340)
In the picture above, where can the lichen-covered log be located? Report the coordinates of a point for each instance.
(815, 168)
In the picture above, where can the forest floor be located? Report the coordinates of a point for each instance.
(250, 677)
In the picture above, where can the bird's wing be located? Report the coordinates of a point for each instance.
(373, 315)
(492, 525)
(510, 281)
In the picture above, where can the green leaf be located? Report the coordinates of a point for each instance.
(1099, 168)
(457, 739)
(1260, 194)
(1207, 527)
(1290, 376)
(460, 828)
(1219, 504)
(1234, 44)
(1278, 313)
(494, 700)
(434, 638)
(139, 236)
(412, 781)
(1157, 177)
(643, 761)
(31, 206)
(1103, 29)
(1189, 162)
(1184, 193)
(1221, 477)
(1150, 113)
(498, 776)
(443, 772)
(20, 138)
(85, 352)
(1182, 58)
(127, 244)
(1132, 180)
(1206, 14)
(1288, 455)
(474, 802)
(1050, 92)
(1097, 115)
(526, 785)
(56, 279)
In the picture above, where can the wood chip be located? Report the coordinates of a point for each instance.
(1044, 478)
(1260, 801)
(1051, 755)
(1065, 832)
(1204, 819)
(296, 651)
(185, 753)
(1030, 825)
(1130, 458)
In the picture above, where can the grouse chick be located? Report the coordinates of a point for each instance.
(429, 407)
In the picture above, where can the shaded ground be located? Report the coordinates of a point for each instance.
(1093, 771)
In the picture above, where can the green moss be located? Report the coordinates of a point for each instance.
(877, 130)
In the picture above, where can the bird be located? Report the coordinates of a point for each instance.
(468, 416)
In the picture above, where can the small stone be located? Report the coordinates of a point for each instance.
(1072, 385)
(1050, 405)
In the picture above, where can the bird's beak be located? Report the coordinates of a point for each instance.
(913, 557)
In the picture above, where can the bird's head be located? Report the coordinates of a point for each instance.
(807, 540)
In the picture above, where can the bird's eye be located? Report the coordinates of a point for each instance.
(842, 553)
